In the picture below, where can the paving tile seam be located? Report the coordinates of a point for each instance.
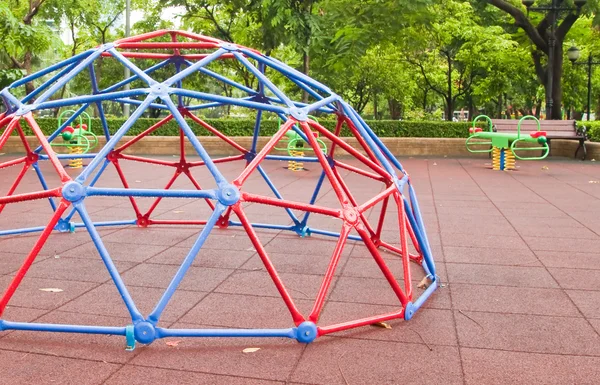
(552, 204)
(49, 354)
(448, 285)
(522, 265)
(539, 260)
(529, 352)
(519, 314)
(426, 344)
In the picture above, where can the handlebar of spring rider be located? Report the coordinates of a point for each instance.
(82, 133)
(529, 139)
(478, 135)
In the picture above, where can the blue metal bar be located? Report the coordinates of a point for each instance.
(205, 106)
(11, 98)
(110, 266)
(286, 157)
(423, 245)
(22, 231)
(419, 219)
(135, 76)
(135, 69)
(286, 333)
(333, 234)
(133, 192)
(139, 103)
(256, 131)
(194, 67)
(96, 90)
(284, 69)
(110, 145)
(423, 297)
(231, 101)
(43, 327)
(313, 199)
(89, 99)
(69, 156)
(264, 226)
(295, 128)
(36, 167)
(52, 68)
(263, 79)
(179, 84)
(224, 79)
(210, 165)
(321, 103)
(63, 126)
(108, 223)
(61, 83)
(47, 83)
(364, 133)
(94, 180)
(276, 192)
(185, 265)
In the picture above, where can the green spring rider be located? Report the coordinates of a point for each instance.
(296, 146)
(78, 139)
(504, 144)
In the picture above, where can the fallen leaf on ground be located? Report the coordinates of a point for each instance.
(51, 290)
(172, 343)
(435, 164)
(138, 181)
(250, 350)
(424, 284)
(593, 160)
(57, 256)
(545, 168)
(595, 181)
(178, 211)
(382, 325)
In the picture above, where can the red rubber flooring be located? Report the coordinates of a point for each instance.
(518, 254)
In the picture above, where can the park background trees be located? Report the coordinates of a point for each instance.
(392, 59)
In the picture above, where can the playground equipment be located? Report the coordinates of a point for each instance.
(79, 139)
(504, 145)
(186, 54)
(295, 146)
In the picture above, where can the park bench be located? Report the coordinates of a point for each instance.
(555, 129)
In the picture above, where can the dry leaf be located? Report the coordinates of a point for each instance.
(173, 343)
(593, 160)
(51, 290)
(178, 211)
(57, 256)
(595, 181)
(545, 168)
(382, 325)
(138, 181)
(424, 284)
(435, 164)
(250, 350)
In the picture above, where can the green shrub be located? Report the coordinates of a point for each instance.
(245, 127)
(593, 130)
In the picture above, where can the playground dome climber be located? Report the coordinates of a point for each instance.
(163, 64)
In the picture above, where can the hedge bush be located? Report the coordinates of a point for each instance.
(245, 127)
(593, 130)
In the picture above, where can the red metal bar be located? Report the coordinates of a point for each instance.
(147, 160)
(151, 129)
(16, 183)
(7, 131)
(360, 322)
(390, 247)
(64, 177)
(157, 200)
(216, 132)
(13, 162)
(381, 218)
(377, 198)
(361, 214)
(143, 36)
(174, 39)
(115, 162)
(296, 316)
(362, 142)
(381, 263)
(23, 138)
(349, 149)
(335, 183)
(163, 56)
(358, 171)
(333, 263)
(404, 244)
(181, 147)
(167, 45)
(247, 197)
(197, 185)
(336, 132)
(195, 36)
(174, 222)
(57, 192)
(219, 160)
(264, 152)
(39, 244)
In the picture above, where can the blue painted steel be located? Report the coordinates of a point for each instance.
(135, 69)
(276, 192)
(89, 99)
(263, 79)
(264, 226)
(334, 234)
(110, 266)
(92, 183)
(108, 223)
(62, 127)
(42, 87)
(126, 192)
(231, 101)
(40, 176)
(313, 198)
(285, 333)
(52, 68)
(185, 265)
(44, 327)
(139, 103)
(147, 71)
(428, 266)
(423, 297)
(194, 67)
(24, 230)
(256, 131)
(308, 159)
(96, 90)
(224, 79)
(69, 156)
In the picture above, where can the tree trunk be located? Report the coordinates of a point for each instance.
(395, 109)
(557, 82)
(375, 112)
(449, 101)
